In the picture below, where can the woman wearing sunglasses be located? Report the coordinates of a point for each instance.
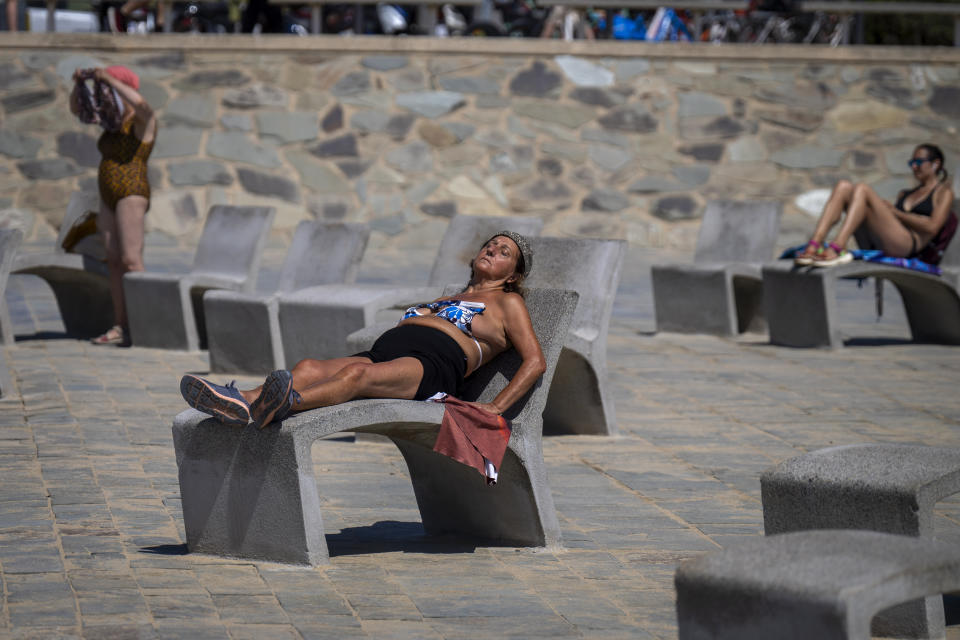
(903, 228)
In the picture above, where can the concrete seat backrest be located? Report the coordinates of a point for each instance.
(462, 241)
(80, 203)
(733, 231)
(588, 266)
(550, 311)
(323, 253)
(232, 240)
(10, 240)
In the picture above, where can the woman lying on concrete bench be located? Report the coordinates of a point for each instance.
(904, 229)
(433, 348)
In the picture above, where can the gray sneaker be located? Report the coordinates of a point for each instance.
(223, 402)
(277, 399)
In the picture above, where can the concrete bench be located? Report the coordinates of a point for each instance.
(580, 401)
(826, 585)
(343, 309)
(10, 240)
(252, 493)
(165, 311)
(243, 329)
(80, 283)
(720, 293)
(801, 301)
(890, 488)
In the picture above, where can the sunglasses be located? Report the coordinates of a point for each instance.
(916, 162)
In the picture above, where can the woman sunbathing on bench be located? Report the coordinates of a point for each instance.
(903, 229)
(433, 348)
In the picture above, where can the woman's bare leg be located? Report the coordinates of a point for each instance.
(309, 372)
(123, 236)
(866, 207)
(398, 378)
(836, 204)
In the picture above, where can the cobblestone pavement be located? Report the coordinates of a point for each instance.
(91, 535)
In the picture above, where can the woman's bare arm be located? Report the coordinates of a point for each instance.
(145, 117)
(520, 332)
(75, 95)
(929, 225)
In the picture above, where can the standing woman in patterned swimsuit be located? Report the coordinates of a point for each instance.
(124, 188)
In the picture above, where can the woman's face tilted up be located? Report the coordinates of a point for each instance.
(497, 260)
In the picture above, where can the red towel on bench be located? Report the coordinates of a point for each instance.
(473, 437)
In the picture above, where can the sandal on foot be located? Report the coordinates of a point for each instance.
(276, 400)
(842, 257)
(113, 335)
(809, 254)
(222, 402)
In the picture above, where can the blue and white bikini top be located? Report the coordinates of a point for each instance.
(459, 313)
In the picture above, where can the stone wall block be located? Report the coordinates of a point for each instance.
(333, 119)
(807, 157)
(710, 152)
(174, 212)
(431, 104)
(199, 173)
(48, 169)
(537, 81)
(285, 127)
(352, 83)
(722, 128)
(597, 96)
(630, 118)
(570, 116)
(584, 73)
(23, 100)
(945, 101)
(79, 147)
(316, 176)
(12, 77)
(238, 147)
(264, 184)
(255, 97)
(174, 142)
(605, 200)
(16, 144)
(341, 146)
(414, 157)
(236, 122)
(154, 93)
(470, 84)
(203, 81)
(816, 96)
(384, 63)
(674, 208)
(192, 109)
(799, 119)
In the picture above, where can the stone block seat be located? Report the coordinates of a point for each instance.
(580, 401)
(165, 311)
(890, 488)
(80, 282)
(243, 329)
(826, 585)
(343, 309)
(800, 302)
(10, 240)
(720, 293)
(251, 493)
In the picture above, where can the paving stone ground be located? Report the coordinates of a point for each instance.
(91, 532)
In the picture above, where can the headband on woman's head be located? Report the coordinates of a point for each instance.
(124, 75)
(522, 244)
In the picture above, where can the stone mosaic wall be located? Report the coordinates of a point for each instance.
(620, 146)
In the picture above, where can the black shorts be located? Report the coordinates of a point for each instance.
(444, 362)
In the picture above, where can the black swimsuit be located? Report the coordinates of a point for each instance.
(444, 362)
(922, 208)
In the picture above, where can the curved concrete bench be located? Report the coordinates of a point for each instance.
(252, 494)
(800, 303)
(80, 283)
(826, 585)
(890, 488)
(580, 400)
(10, 240)
(720, 293)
